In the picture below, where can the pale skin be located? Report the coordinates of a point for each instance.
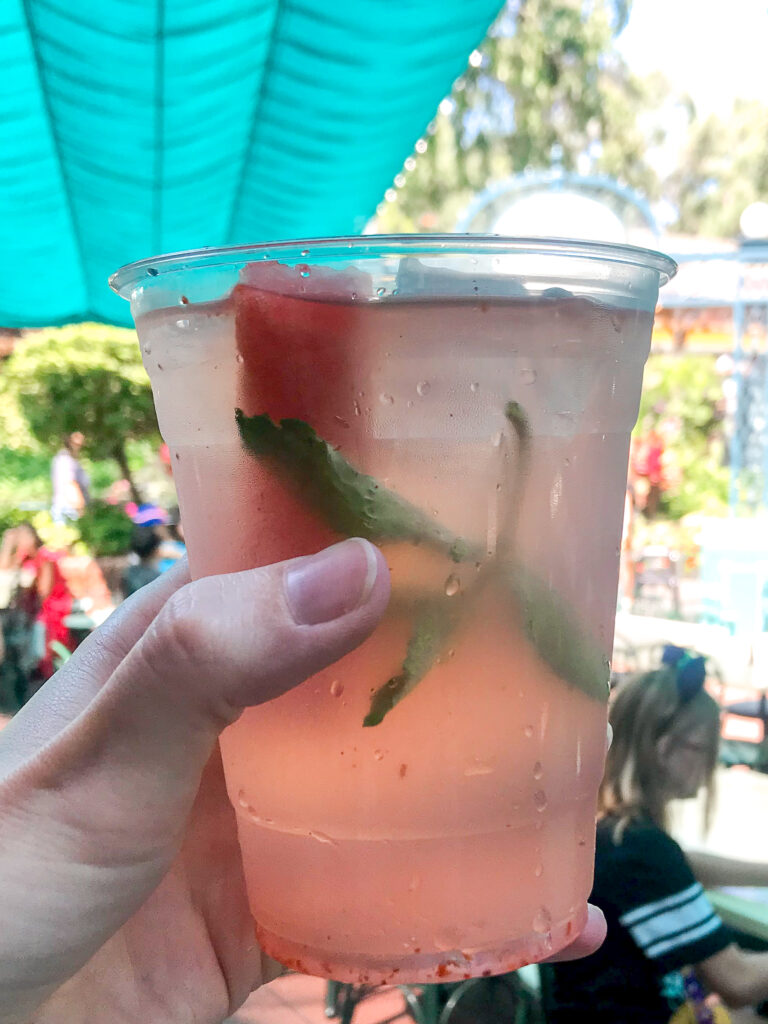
(739, 977)
(17, 546)
(121, 890)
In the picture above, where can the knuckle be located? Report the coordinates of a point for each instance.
(182, 634)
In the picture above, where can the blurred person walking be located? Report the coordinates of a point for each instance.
(71, 485)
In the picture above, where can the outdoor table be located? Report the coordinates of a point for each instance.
(744, 908)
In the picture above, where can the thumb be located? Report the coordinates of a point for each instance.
(218, 645)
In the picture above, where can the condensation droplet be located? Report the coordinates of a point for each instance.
(386, 399)
(148, 347)
(452, 585)
(423, 387)
(478, 766)
(381, 292)
(240, 358)
(540, 800)
(341, 421)
(358, 411)
(242, 800)
(538, 770)
(303, 270)
(415, 883)
(542, 921)
(321, 837)
(528, 375)
(337, 688)
(474, 386)
(544, 720)
(410, 403)
(447, 938)
(451, 652)
(528, 732)
(304, 252)
(378, 755)
(538, 870)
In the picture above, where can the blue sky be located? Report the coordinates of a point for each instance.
(714, 51)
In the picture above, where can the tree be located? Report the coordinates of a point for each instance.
(723, 168)
(547, 86)
(89, 378)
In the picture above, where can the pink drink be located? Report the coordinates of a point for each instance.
(452, 834)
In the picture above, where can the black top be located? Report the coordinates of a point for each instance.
(659, 920)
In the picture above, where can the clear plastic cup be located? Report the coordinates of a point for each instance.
(424, 809)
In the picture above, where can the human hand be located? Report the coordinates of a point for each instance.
(122, 897)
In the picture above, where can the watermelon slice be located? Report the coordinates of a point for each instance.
(298, 331)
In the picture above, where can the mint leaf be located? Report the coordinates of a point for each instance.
(432, 625)
(559, 640)
(351, 503)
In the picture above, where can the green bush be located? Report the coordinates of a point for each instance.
(105, 529)
(682, 399)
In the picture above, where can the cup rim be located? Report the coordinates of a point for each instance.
(126, 278)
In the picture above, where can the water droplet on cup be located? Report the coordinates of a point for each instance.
(452, 585)
(337, 688)
(386, 399)
(528, 376)
(148, 347)
(538, 870)
(542, 922)
(422, 388)
(474, 386)
(415, 883)
(540, 800)
(358, 411)
(240, 358)
(378, 755)
(321, 837)
(538, 770)
(242, 800)
(447, 939)
(381, 292)
(528, 731)
(304, 252)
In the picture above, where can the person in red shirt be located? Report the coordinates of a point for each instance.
(42, 594)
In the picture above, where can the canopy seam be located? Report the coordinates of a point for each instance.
(260, 95)
(156, 228)
(56, 145)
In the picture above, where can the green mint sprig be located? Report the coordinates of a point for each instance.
(355, 504)
(433, 624)
(350, 502)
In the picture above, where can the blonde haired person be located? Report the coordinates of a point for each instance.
(666, 731)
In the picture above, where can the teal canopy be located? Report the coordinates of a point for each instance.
(134, 127)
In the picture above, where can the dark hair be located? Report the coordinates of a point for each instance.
(646, 709)
(145, 541)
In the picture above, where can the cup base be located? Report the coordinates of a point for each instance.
(423, 968)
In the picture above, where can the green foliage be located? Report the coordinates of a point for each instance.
(87, 377)
(682, 399)
(550, 87)
(105, 529)
(723, 168)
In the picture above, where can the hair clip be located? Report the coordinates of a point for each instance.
(690, 670)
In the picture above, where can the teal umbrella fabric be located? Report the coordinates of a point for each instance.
(134, 127)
